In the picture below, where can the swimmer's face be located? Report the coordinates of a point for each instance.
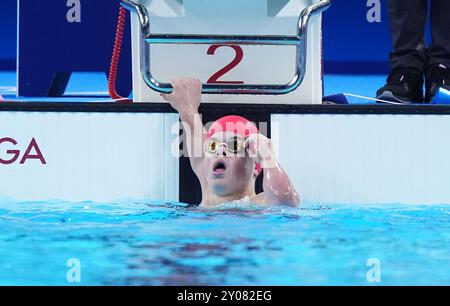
(227, 168)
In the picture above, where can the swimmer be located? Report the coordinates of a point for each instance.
(228, 157)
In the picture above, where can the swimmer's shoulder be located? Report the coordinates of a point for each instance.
(259, 198)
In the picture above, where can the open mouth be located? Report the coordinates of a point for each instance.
(219, 167)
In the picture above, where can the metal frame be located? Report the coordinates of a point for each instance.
(270, 89)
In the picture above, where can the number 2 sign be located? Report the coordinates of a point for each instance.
(214, 79)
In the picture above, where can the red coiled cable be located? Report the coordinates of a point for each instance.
(116, 56)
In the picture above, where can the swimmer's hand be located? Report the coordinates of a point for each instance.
(278, 190)
(259, 148)
(186, 95)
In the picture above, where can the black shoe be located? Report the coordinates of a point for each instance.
(402, 86)
(436, 76)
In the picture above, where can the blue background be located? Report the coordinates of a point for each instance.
(52, 49)
(8, 20)
(351, 43)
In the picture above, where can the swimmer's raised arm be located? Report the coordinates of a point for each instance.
(278, 189)
(185, 99)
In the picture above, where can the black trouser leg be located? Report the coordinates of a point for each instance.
(439, 50)
(407, 22)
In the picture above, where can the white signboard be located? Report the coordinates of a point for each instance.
(88, 156)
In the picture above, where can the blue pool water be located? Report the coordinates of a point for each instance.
(160, 243)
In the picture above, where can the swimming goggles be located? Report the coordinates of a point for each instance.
(233, 145)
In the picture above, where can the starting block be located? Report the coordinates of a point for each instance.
(253, 51)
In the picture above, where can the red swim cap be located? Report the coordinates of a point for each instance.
(237, 125)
